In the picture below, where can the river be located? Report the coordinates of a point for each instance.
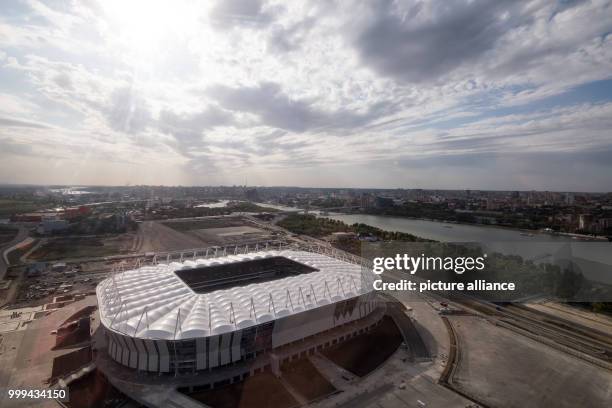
(436, 230)
(447, 232)
(594, 257)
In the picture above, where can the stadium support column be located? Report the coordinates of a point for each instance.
(201, 353)
(275, 365)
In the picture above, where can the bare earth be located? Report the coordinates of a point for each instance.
(156, 237)
(504, 369)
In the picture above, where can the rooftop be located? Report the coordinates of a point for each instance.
(204, 297)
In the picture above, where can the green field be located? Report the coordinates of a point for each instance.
(83, 247)
(9, 207)
(313, 226)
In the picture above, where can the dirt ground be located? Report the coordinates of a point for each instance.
(362, 354)
(259, 391)
(306, 379)
(83, 247)
(216, 222)
(231, 235)
(504, 369)
(92, 391)
(156, 236)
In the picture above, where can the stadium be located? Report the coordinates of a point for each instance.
(234, 314)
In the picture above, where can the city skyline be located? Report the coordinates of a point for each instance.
(304, 187)
(435, 95)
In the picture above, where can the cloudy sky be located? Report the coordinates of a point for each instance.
(416, 94)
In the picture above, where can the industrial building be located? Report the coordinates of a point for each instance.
(50, 225)
(230, 311)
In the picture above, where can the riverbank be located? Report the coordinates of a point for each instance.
(451, 224)
(442, 231)
(583, 237)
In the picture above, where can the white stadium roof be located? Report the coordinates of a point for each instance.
(152, 302)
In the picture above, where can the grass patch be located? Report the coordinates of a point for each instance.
(312, 226)
(82, 247)
(10, 207)
(308, 224)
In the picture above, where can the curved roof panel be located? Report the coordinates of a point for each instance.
(152, 302)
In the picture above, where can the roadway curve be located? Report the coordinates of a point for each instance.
(4, 264)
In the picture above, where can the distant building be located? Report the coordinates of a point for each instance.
(31, 217)
(251, 194)
(366, 200)
(342, 236)
(73, 212)
(485, 220)
(604, 225)
(492, 204)
(121, 220)
(51, 226)
(58, 267)
(36, 269)
(367, 237)
(584, 222)
(383, 202)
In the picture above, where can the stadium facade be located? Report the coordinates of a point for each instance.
(206, 314)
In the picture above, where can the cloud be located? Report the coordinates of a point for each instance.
(561, 171)
(275, 89)
(127, 112)
(187, 128)
(286, 39)
(63, 80)
(11, 122)
(425, 41)
(278, 110)
(244, 13)
(8, 146)
(505, 47)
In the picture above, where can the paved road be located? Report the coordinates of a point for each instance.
(21, 235)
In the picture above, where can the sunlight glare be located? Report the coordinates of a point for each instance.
(141, 25)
